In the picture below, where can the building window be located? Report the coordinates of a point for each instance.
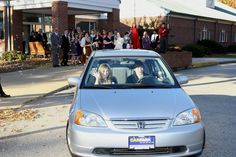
(1, 26)
(86, 26)
(205, 34)
(223, 36)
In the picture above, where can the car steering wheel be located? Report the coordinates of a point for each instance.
(147, 80)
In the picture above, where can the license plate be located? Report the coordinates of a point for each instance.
(141, 142)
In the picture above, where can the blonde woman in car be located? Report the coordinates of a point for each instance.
(104, 75)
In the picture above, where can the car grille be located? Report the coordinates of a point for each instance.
(125, 151)
(141, 124)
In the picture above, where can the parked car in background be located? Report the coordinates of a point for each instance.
(129, 103)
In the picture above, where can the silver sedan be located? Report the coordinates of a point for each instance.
(129, 103)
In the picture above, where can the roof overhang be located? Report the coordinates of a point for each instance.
(186, 8)
(75, 7)
(71, 11)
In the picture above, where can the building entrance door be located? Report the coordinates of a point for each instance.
(28, 28)
(26, 36)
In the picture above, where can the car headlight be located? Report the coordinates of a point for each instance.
(85, 118)
(191, 116)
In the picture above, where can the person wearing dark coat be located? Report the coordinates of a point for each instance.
(138, 73)
(98, 41)
(107, 41)
(65, 46)
(33, 37)
(56, 44)
(140, 34)
(42, 37)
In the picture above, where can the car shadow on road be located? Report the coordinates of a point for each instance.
(49, 101)
(31, 132)
(16, 100)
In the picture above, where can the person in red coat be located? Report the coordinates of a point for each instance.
(163, 34)
(135, 37)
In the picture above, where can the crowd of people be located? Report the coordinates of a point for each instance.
(78, 45)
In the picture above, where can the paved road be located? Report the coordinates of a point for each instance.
(212, 88)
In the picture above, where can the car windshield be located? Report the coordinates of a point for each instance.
(127, 72)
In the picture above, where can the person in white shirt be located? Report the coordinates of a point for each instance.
(118, 41)
(154, 40)
(127, 40)
(85, 44)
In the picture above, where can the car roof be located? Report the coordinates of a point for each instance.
(125, 52)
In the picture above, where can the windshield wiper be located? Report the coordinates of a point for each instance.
(151, 86)
(129, 86)
(98, 87)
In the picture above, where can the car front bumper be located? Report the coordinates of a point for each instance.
(94, 142)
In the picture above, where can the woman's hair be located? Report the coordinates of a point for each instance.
(145, 34)
(134, 25)
(102, 67)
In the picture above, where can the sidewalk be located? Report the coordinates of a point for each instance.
(28, 85)
(203, 62)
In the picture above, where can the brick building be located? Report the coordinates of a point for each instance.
(188, 21)
(32, 15)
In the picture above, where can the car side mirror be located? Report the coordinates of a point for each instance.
(74, 81)
(182, 79)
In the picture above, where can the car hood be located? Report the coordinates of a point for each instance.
(135, 103)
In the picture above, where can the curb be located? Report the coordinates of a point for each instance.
(227, 62)
(204, 64)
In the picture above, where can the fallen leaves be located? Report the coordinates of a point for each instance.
(12, 115)
(23, 64)
(16, 130)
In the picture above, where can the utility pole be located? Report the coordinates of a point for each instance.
(8, 25)
(135, 12)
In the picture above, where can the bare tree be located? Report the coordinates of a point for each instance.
(231, 3)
